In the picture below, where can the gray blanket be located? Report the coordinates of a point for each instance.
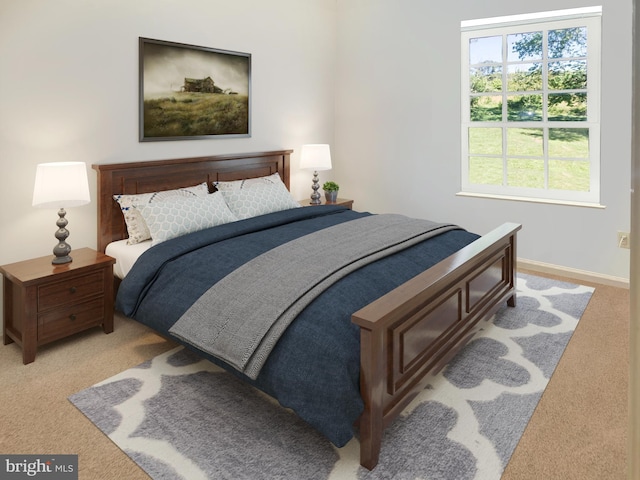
(240, 318)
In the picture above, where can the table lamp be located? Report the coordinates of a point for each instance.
(315, 157)
(61, 185)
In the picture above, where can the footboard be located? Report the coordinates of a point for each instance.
(418, 327)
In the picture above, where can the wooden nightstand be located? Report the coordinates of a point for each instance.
(45, 302)
(345, 202)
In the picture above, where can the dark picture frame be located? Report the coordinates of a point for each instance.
(189, 92)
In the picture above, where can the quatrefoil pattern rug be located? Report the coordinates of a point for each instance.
(181, 417)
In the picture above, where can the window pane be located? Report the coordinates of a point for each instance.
(486, 108)
(568, 42)
(485, 141)
(524, 108)
(485, 171)
(485, 50)
(569, 175)
(568, 75)
(524, 77)
(485, 79)
(525, 173)
(567, 107)
(525, 141)
(524, 46)
(569, 142)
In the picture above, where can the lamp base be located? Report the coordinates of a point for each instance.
(315, 196)
(62, 260)
(62, 249)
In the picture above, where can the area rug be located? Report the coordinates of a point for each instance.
(179, 417)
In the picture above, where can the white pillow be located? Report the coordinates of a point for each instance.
(259, 200)
(273, 179)
(136, 227)
(181, 215)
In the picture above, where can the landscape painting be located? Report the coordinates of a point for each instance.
(189, 92)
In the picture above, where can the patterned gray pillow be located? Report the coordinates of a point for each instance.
(136, 226)
(178, 216)
(259, 200)
(273, 179)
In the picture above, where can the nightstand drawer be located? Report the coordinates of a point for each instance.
(65, 321)
(69, 291)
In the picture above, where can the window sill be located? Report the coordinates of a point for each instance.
(531, 200)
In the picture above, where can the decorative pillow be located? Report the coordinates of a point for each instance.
(136, 227)
(259, 200)
(181, 215)
(273, 179)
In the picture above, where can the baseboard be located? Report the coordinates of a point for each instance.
(573, 273)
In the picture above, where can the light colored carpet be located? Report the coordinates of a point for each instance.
(578, 431)
(179, 417)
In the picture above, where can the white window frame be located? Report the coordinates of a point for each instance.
(589, 17)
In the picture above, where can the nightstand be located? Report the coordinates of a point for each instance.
(345, 202)
(45, 302)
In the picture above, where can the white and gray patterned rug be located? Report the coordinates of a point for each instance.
(181, 417)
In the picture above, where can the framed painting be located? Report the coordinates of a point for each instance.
(189, 92)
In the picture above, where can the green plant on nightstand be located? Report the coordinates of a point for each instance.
(330, 191)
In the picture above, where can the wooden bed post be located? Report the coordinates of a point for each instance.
(372, 388)
(511, 301)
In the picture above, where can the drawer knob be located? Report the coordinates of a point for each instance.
(73, 289)
(72, 317)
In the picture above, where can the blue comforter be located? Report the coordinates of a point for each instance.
(314, 368)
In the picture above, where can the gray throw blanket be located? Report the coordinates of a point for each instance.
(240, 318)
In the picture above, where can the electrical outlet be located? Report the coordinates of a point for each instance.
(623, 240)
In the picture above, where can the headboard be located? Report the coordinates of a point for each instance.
(157, 175)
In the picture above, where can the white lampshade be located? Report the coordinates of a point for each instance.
(60, 185)
(315, 157)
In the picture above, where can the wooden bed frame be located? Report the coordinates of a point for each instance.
(412, 331)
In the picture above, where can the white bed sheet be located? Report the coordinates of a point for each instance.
(125, 255)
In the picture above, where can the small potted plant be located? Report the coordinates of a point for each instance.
(331, 191)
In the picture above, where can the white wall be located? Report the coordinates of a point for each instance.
(358, 74)
(397, 127)
(69, 92)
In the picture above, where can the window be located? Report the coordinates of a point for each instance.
(531, 106)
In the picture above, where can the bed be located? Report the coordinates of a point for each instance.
(405, 334)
